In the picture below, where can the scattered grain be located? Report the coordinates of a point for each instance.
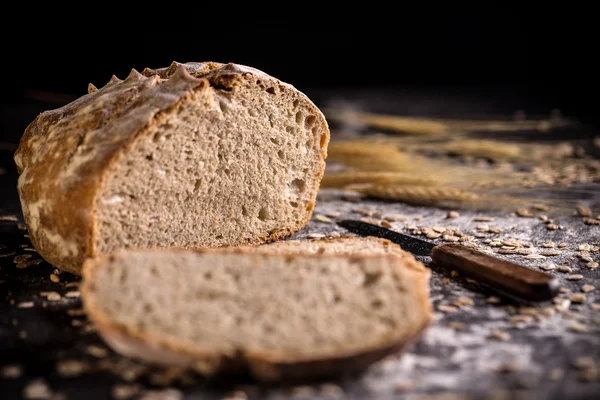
(37, 389)
(54, 278)
(457, 325)
(583, 211)
(369, 220)
(577, 298)
(520, 318)
(76, 312)
(525, 213)
(315, 236)
(53, 296)
(587, 288)
(11, 371)
(452, 214)
(534, 256)
(386, 224)
(446, 308)
(25, 304)
(563, 268)
(25, 264)
(493, 300)
(72, 284)
(552, 227)
(77, 323)
(334, 214)
(548, 267)
(322, 218)
(494, 230)
(363, 211)
(591, 221)
(165, 394)
(592, 265)
(575, 277)
(335, 234)
(584, 363)
(579, 327)
(555, 374)
(506, 251)
(501, 335)
(12, 218)
(97, 351)
(463, 301)
(453, 274)
(73, 293)
(124, 391)
(548, 245)
(71, 368)
(21, 258)
(450, 238)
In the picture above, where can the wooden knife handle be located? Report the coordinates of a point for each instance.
(514, 279)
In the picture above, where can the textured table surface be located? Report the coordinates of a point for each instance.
(480, 350)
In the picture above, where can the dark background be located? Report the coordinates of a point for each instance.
(518, 59)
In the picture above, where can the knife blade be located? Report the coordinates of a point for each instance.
(507, 278)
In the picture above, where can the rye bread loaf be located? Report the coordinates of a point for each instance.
(191, 156)
(279, 315)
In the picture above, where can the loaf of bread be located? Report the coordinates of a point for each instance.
(191, 156)
(279, 314)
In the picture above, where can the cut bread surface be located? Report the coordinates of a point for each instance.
(195, 155)
(271, 313)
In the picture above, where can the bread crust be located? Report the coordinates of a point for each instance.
(64, 154)
(264, 366)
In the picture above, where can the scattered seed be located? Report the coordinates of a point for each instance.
(563, 268)
(591, 221)
(584, 211)
(331, 390)
(73, 293)
(528, 310)
(450, 238)
(577, 298)
(363, 211)
(555, 374)
(396, 218)
(315, 236)
(564, 290)
(72, 284)
(548, 267)
(25, 264)
(452, 214)
(123, 391)
(446, 308)
(54, 278)
(457, 325)
(548, 245)
(53, 296)
(352, 197)
(369, 220)
(484, 219)
(575, 277)
(12, 218)
(505, 251)
(71, 368)
(495, 230)
(584, 247)
(579, 327)
(453, 274)
(25, 304)
(77, 323)
(493, 300)
(596, 306)
(501, 335)
(535, 256)
(550, 253)
(386, 224)
(37, 389)
(520, 318)
(552, 227)
(592, 265)
(21, 258)
(97, 351)
(11, 371)
(334, 234)
(584, 363)
(587, 288)
(523, 212)
(334, 214)
(322, 218)
(463, 301)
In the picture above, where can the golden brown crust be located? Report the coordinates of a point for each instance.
(264, 366)
(64, 153)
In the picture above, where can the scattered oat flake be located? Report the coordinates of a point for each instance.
(71, 368)
(124, 391)
(53, 296)
(540, 207)
(463, 301)
(447, 308)
(506, 251)
(37, 389)
(433, 235)
(577, 298)
(493, 300)
(386, 224)
(11, 371)
(73, 293)
(454, 274)
(584, 211)
(334, 214)
(591, 221)
(548, 245)
(457, 325)
(77, 323)
(584, 363)
(575, 277)
(396, 218)
(25, 264)
(334, 234)
(25, 304)
(534, 256)
(21, 258)
(523, 252)
(12, 218)
(579, 327)
(76, 312)
(523, 212)
(363, 211)
(520, 318)
(548, 267)
(315, 236)
(552, 227)
(584, 247)
(563, 268)
(450, 238)
(97, 351)
(322, 218)
(550, 253)
(555, 374)
(592, 265)
(596, 306)
(452, 214)
(501, 335)
(54, 278)
(587, 288)
(72, 284)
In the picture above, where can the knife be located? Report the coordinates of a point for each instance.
(503, 276)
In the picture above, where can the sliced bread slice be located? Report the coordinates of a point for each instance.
(281, 316)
